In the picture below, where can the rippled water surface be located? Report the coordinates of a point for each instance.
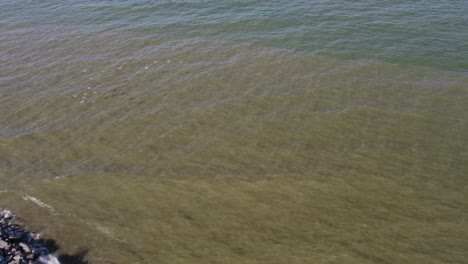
(238, 131)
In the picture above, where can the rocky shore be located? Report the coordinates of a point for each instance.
(18, 246)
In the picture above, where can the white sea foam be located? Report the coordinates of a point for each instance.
(48, 259)
(40, 203)
(102, 229)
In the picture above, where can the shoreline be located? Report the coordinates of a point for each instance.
(19, 246)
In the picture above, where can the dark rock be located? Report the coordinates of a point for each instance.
(20, 246)
(14, 238)
(27, 237)
(36, 251)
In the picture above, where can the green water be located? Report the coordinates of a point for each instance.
(132, 134)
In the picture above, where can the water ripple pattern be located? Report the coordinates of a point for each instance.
(245, 131)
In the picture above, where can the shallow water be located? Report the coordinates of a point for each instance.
(238, 131)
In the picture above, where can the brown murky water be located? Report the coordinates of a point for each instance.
(131, 149)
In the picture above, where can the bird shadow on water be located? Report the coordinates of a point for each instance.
(53, 247)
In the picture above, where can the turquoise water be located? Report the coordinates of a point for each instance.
(237, 131)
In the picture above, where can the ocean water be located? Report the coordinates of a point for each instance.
(237, 131)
